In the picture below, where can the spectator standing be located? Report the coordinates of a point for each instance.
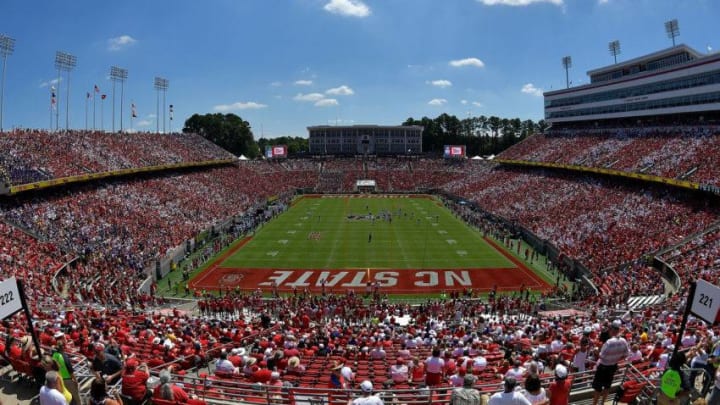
(613, 351)
(49, 393)
(434, 366)
(65, 369)
(559, 391)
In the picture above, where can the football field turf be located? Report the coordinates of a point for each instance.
(402, 243)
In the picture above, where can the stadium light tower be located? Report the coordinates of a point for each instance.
(7, 46)
(672, 29)
(64, 62)
(161, 85)
(118, 75)
(567, 64)
(614, 48)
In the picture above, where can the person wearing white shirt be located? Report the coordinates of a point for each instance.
(509, 396)
(49, 393)
(399, 372)
(517, 371)
(378, 353)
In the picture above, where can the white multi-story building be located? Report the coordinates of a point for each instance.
(673, 81)
(365, 140)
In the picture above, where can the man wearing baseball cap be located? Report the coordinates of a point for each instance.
(367, 397)
(559, 390)
(613, 351)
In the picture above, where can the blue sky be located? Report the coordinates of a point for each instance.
(286, 64)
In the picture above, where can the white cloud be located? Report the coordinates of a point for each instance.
(309, 97)
(118, 43)
(532, 90)
(249, 105)
(437, 101)
(467, 62)
(519, 2)
(348, 8)
(303, 82)
(326, 102)
(440, 83)
(143, 123)
(50, 83)
(340, 91)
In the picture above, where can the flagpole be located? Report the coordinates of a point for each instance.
(94, 95)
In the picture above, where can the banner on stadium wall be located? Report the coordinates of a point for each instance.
(277, 151)
(454, 151)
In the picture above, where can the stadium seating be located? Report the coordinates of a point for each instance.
(685, 152)
(116, 228)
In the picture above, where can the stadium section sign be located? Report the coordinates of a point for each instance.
(10, 301)
(706, 301)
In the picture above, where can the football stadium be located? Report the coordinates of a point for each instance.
(575, 260)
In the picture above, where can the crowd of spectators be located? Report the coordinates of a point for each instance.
(688, 152)
(33, 155)
(117, 227)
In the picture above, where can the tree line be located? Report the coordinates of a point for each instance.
(482, 135)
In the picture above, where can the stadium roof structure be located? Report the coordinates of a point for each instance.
(695, 57)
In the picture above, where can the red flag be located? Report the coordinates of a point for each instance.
(103, 97)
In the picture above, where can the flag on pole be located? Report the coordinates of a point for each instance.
(53, 98)
(97, 89)
(134, 112)
(103, 97)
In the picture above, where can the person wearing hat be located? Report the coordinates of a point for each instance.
(134, 381)
(337, 381)
(509, 396)
(467, 395)
(367, 397)
(613, 351)
(559, 390)
(294, 367)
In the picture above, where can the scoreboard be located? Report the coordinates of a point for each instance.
(454, 151)
(277, 151)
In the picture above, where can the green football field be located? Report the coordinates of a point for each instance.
(358, 233)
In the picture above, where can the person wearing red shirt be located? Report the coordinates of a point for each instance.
(134, 380)
(559, 390)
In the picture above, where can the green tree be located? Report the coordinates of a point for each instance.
(228, 131)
